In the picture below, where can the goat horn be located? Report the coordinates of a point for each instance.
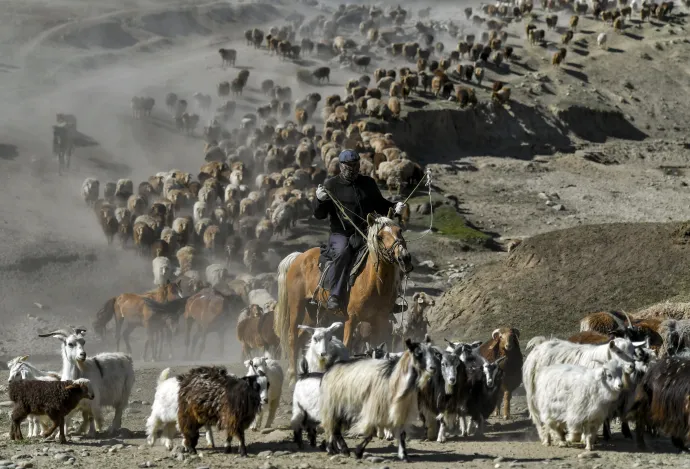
(451, 343)
(57, 333)
(628, 318)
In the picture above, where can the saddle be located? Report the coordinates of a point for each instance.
(361, 254)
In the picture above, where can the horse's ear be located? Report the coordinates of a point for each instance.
(391, 213)
(371, 219)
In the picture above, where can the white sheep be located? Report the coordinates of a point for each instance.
(306, 404)
(162, 423)
(162, 271)
(601, 40)
(216, 273)
(271, 368)
(20, 369)
(89, 190)
(111, 375)
(260, 297)
(200, 211)
(575, 399)
(323, 347)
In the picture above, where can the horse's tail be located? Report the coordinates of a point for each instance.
(281, 321)
(103, 317)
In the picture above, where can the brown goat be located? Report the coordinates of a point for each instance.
(604, 322)
(589, 337)
(209, 395)
(255, 331)
(505, 343)
(558, 57)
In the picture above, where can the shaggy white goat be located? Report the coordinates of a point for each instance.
(162, 423)
(306, 404)
(111, 375)
(162, 271)
(575, 399)
(271, 368)
(323, 347)
(601, 39)
(89, 190)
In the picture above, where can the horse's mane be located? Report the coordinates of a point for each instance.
(372, 235)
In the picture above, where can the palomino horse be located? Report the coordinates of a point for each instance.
(129, 309)
(210, 310)
(371, 298)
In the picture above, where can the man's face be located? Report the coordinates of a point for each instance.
(349, 170)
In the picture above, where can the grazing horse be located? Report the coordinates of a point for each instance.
(210, 310)
(371, 299)
(130, 310)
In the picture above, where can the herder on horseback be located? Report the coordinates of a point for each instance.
(358, 196)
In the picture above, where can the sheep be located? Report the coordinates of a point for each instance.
(90, 190)
(601, 40)
(274, 373)
(322, 73)
(111, 375)
(20, 369)
(162, 271)
(306, 405)
(209, 395)
(505, 342)
(322, 345)
(556, 351)
(56, 399)
(559, 57)
(228, 56)
(372, 394)
(661, 401)
(575, 399)
(162, 422)
(216, 274)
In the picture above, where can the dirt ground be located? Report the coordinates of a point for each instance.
(603, 139)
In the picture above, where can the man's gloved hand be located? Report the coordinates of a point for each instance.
(398, 207)
(321, 193)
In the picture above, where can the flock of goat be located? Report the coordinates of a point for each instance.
(573, 388)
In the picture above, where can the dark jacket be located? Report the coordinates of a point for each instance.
(361, 197)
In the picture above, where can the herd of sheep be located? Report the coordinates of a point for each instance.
(258, 179)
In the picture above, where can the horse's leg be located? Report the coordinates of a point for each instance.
(221, 341)
(347, 332)
(187, 333)
(125, 336)
(296, 309)
(380, 330)
(202, 344)
(168, 334)
(118, 333)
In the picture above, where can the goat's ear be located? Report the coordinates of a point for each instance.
(367, 348)
(247, 363)
(496, 334)
(305, 328)
(261, 373)
(335, 326)
(415, 296)
(516, 331)
(476, 343)
(371, 219)
(383, 346)
(24, 358)
(411, 346)
(427, 339)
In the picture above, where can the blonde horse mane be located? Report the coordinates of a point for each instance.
(373, 242)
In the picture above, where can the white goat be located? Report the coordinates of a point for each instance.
(111, 375)
(306, 404)
(323, 347)
(601, 40)
(374, 394)
(162, 271)
(556, 351)
(162, 423)
(575, 399)
(20, 369)
(90, 190)
(271, 368)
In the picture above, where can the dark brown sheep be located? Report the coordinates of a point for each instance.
(208, 395)
(505, 343)
(56, 399)
(322, 73)
(228, 56)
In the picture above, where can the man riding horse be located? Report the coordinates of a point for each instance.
(359, 196)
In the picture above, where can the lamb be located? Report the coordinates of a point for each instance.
(162, 271)
(162, 423)
(306, 405)
(90, 190)
(111, 375)
(56, 399)
(505, 343)
(322, 346)
(575, 399)
(374, 394)
(274, 373)
(20, 369)
(209, 395)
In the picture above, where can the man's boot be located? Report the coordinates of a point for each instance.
(333, 303)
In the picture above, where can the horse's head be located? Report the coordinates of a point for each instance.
(385, 238)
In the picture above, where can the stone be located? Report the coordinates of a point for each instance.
(25, 465)
(268, 465)
(116, 448)
(375, 459)
(499, 459)
(588, 455)
(62, 456)
(304, 465)
(430, 264)
(5, 462)
(147, 464)
(21, 457)
(277, 454)
(558, 207)
(265, 454)
(203, 467)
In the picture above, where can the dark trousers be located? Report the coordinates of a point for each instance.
(341, 254)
